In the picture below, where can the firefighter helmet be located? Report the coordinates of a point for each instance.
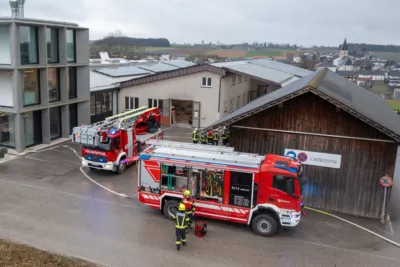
(182, 207)
(186, 193)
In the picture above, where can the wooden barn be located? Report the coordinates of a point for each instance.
(346, 136)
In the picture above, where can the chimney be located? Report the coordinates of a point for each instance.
(21, 8)
(14, 8)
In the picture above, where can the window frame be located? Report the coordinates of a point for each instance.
(238, 102)
(233, 81)
(239, 78)
(133, 102)
(151, 101)
(206, 82)
(285, 182)
(245, 78)
(74, 42)
(38, 87)
(37, 45)
(58, 85)
(57, 31)
(75, 91)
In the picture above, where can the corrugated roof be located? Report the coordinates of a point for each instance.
(262, 73)
(281, 67)
(229, 63)
(353, 99)
(99, 81)
(122, 71)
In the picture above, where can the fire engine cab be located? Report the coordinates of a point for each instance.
(116, 142)
(263, 191)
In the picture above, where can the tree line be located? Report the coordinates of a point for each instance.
(117, 38)
(372, 47)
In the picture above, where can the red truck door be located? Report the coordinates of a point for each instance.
(278, 188)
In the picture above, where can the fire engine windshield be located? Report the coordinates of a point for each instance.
(104, 146)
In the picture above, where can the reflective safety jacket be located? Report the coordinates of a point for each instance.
(195, 135)
(203, 137)
(225, 135)
(216, 135)
(181, 220)
(189, 204)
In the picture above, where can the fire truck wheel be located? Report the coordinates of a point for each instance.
(120, 168)
(264, 225)
(170, 208)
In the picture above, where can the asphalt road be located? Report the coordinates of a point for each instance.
(46, 202)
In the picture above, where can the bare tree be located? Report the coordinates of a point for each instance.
(307, 63)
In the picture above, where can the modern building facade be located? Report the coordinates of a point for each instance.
(44, 81)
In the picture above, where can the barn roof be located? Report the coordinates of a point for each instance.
(337, 90)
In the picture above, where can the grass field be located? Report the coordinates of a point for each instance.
(379, 88)
(395, 104)
(268, 52)
(16, 255)
(388, 55)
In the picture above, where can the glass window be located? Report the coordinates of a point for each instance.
(55, 122)
(284, 184)
(71, 46)
(239, 78)
(33, 128)
(53, 75)
(7, 137)
(52, 45)
(29, 45)
(98, 103)
(72, 83)
(238, 102)
(233, 79)
(31, 90)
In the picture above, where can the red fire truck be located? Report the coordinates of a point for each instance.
(116, 142)
(261, 191)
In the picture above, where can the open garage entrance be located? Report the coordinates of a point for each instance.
(182, 111)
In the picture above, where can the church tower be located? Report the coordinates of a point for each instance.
(345, 50)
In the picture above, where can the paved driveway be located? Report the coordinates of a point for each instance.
(46, 201)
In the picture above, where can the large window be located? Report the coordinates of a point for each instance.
(72, 83)
(71, 46)
(7, 137)
(101, 106)
(52, 45)
(28, 40)
(33, 128)
(131, 103)
(55, 123)
(206, 82)
(154, 103)
(31, 90)
(53, 75)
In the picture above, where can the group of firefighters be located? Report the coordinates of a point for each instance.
(183, 219)
(210, 137)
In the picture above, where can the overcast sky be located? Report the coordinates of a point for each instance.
(302, 22)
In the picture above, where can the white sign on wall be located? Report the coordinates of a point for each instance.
(315, 158)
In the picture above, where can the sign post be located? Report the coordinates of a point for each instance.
(386, 182)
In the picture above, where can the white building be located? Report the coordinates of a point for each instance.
(200, 95)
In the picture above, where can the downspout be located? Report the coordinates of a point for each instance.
(219, 95)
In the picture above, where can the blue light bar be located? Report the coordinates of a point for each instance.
(112, 131)
(144, 156)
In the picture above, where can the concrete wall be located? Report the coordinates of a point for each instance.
(5, 45)
(6, 88)
(187, 87)
(230, 92)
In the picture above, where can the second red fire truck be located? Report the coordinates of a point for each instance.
(261, 191)
(116, 142)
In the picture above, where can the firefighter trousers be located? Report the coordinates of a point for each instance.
(180, 237)
(225, 142)
(190, 215)
(195, 141)
(215, 142)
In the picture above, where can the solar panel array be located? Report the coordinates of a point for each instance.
(122, 71)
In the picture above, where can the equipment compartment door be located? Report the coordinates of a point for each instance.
(240, 195)
(166, 112)
(129, 150)
(196, 114)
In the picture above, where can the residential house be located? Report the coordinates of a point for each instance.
(201, 94)
(393, 79)
(325, 64)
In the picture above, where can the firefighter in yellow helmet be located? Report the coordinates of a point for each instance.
(189, 205)
(181, 223)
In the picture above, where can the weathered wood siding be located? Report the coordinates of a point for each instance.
(352, 189)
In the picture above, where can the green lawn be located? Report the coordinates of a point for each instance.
(267, 52)
(379, 88)
(395, 104)
(152, 49)
(388, 55)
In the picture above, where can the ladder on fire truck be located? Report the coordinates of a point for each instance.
(187, 153)
(188, 146)
(88, 134)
